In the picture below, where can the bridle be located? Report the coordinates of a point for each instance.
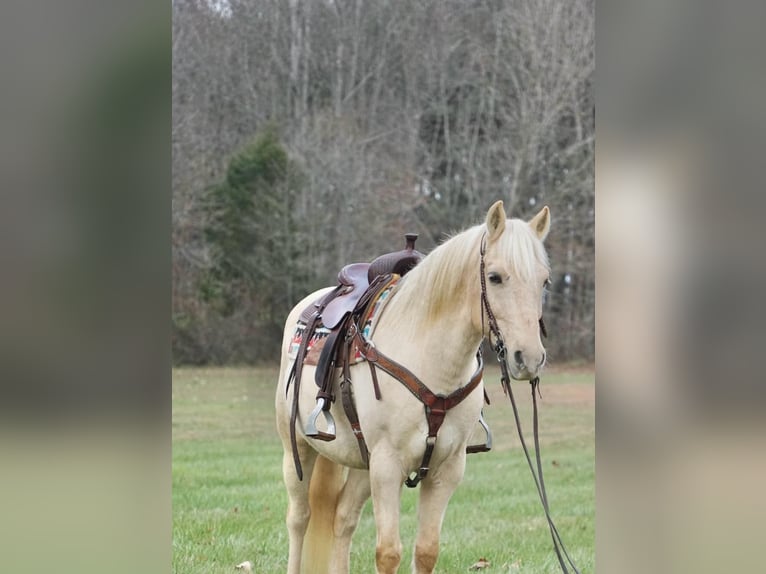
(502, 357)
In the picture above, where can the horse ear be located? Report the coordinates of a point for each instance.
(496, 220)
(541, 223)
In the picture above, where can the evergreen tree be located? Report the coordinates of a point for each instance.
(256, 251)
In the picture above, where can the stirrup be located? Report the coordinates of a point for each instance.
(311, 429)
(487, 446)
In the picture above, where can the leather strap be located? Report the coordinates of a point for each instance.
(297, 370)
(436, 406)
(415, 385)
(296, 377)
(324, 374)
(375, 385)
(350, 408)
(558, 544)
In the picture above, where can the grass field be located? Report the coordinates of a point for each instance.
(229, 501)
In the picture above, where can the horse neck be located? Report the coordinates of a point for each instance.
(438, 345)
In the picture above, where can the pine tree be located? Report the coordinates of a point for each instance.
(256, 252)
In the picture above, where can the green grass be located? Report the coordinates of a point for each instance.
(229, 500)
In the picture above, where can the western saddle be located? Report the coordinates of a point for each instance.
(341, 314)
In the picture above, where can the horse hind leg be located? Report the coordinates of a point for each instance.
(355, 493)
(325, 486)
(298, 509)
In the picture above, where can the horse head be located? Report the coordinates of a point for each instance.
(515, 274)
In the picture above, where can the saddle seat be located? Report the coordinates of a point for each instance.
(354, 275)
(352, 283)
(354, 279)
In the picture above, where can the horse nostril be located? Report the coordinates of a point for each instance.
(517, 357)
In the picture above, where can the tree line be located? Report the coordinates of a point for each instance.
(309, 134)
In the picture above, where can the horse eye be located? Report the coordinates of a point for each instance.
(495, 278)
(547, 284)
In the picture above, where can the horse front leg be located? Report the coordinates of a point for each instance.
(386, 479)
(351, 501)
(435, 492)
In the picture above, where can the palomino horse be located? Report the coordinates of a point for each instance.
(432, 324)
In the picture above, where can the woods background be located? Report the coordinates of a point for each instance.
(309, 134)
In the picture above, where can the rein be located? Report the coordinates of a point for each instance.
(501, 351)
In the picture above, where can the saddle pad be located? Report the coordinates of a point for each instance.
(376, 310)
(316, 343)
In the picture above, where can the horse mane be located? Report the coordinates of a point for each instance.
(448, 269)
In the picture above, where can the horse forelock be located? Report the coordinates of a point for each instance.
(522, 248)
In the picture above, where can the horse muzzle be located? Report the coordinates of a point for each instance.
(525, 366)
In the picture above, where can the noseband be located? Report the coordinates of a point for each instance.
(502, 355)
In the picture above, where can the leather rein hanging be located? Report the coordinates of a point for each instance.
(502, 352)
